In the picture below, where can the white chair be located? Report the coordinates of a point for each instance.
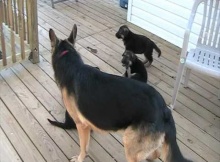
(205, 57)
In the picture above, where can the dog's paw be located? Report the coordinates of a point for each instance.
(74, 159)
(148, 64)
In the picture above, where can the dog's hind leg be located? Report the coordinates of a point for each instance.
(156, 154)
(140, 146)
(149, 56)
(129, 140)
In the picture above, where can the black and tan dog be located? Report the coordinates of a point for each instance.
(139, 44)
(101, 101)
(135, 68)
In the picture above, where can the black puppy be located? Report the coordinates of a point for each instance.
(139, 44)
(135, 69)
(68, 123)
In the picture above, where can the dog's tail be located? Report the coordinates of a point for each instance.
(171, 151)
(157, 49)
(65, 125)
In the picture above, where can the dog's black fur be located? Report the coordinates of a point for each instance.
(112, 102)
(0, 55)
(68, 123)
(139, 44)
(135, 68)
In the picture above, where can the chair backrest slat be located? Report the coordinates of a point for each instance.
(214, 23)
(208, 22)
(215, 40)
(210, 30)
(201, 35)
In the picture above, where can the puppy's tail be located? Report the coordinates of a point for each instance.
(66, 125)
(171, 151)
(157, 49)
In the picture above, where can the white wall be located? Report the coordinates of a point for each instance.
(165, 18)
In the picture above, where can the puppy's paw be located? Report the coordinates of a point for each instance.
(148, 64)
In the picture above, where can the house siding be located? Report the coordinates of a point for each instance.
(165, 18)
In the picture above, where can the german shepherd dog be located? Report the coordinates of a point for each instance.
(106, 102)
(135, 68)
(139, 44)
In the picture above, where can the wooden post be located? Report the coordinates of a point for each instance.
(2, 34)
(34, 55)
(21, 27)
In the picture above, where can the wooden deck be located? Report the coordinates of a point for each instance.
(29, 95)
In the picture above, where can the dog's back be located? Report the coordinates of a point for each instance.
(140, 43)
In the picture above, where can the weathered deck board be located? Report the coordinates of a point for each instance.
(8, 153)
(14, 132)
(30, 90)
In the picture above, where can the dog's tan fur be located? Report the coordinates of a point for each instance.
(138, 146)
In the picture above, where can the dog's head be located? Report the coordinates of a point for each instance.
(122, 32)
(128, 57)
(56, 43)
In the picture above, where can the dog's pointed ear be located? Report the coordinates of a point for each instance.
(72, 37)
(53, 37)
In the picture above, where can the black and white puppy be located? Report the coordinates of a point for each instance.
(135, 68)
(139, 44)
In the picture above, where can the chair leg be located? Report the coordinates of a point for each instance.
(52, 3)
(219, 91)
(177, 84)
(188, 71)
(219, 94)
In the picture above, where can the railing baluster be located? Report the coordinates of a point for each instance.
(15, 17)
(2, 33)
(11, 31)
(21, 27)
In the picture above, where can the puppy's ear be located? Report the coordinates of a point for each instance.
(72, 37)
(126, 29)
(52, 36)
(133, 56)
